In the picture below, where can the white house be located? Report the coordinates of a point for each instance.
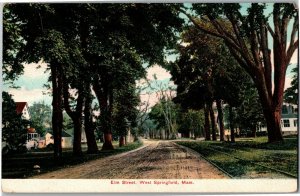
(22, 108)
(289, 119)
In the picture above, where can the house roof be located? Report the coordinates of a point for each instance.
(63, 133)
(20, 107)
(289, 116)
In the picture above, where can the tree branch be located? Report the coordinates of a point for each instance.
(266, 56)
(294, 30)
(271, 31)
(66, 98)
(276, 20)
(240, 60)
(291, 50)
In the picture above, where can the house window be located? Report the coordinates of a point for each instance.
(295, 123)
(286, 123)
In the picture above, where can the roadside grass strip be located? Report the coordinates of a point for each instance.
(250, 159)
(21, 166)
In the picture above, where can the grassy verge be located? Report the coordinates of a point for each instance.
(238, 158)
(21, 166)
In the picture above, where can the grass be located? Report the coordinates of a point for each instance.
(21, 166)
(281, 156)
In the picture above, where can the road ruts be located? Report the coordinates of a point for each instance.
(156, 160)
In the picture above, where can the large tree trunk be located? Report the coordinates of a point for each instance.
(220, 117)
(89, 128)
(122, 141)
(105, 117)
(274, 126)
(57, 116)
(206, 123)
(107, 141)
(271, 108)
(213, 122)
(77, 136)
(231, 124)
(76, 115)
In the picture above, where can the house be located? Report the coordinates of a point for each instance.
(22, 108)
(66, 140)
(289, 119)
(32, 135)
(32, 138)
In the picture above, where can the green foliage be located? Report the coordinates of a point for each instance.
(206, 71)
(165, 114)
(102, 45)
(40, 117)
(67, 122)
(12, 44)
(14, 128)
(191, 122)
(124, 109)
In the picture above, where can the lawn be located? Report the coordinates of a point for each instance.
(21, 166)
(251, 157)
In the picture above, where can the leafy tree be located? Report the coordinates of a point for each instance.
(40, 117)
(124, 111)
(93, 42)
(204, 72)
(165, 114)
(133, 33)
(191, 123)
(14, 128)
(250, 111)
(247, 38)
(67, 122)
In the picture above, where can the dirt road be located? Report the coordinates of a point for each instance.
(156, 160)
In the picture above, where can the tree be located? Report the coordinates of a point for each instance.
(108, 41)
(190, 123)
(39, 30)
(250, 113)
(40, 117)
(164, 113)
(133, 31)
(204, 73)
(247, 37)
(14, 128)
(124, 111)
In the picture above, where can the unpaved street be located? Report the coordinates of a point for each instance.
(157, 160)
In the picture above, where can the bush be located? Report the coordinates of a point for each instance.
(261, 133)
(50, 146)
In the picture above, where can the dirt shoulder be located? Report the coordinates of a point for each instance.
(155, 160)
